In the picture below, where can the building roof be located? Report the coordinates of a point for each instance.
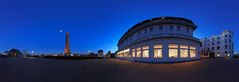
(161, 20)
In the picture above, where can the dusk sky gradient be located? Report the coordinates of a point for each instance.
(34, 25)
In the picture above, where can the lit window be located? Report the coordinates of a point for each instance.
(138, 52)
(126, 53)
(173, 50)
(133, 53)
(158, 51)
(192, 51)
(146, 51)
(183, 51)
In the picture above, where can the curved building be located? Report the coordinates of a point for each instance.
(163, 39)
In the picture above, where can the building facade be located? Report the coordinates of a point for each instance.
(218, 46)
(162, 39)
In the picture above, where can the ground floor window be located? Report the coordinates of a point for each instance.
(173, 50)
(133, 53)
(138, 52)
(146, 51)
(158, 52)
(183, 51)
(193, 51)
(126, 53)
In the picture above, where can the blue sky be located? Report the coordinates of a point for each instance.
(34, 25)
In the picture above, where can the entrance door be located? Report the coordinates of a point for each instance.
(211, 55)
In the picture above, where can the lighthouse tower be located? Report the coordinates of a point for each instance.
(67, 51)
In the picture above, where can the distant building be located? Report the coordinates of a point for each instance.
(100, 53)
(162, 39)
(218, 46)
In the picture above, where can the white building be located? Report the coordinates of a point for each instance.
(163, 39)
(218, 46)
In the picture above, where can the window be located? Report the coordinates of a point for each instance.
(160, 27)
(230, 46)
(145, 51)
(151, 29)
(139, 33)
(158, 52)
(218, 38)
(212, 43)
(225, 40)
(138, 52)
(230, 40)
(225, 46)
(178, 28)
(171, 27)
(225, 35)
(213, 39)
(212, 48)
(183, 51)
(230, 36)
(145, 31)
(218, 42)
(218, 47)
(187, 29)
(173, 50)
(126, 53)
(192, 51)
(119, 54)
(133, 53)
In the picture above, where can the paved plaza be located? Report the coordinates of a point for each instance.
(113, 70)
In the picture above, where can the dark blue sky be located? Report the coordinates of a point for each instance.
(98, 24)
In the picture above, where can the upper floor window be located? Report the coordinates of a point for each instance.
(230, 36)
(218, 47)
(171, 27)
(139, 33)
(146, 31)
(218, 38)
(213, 39)
(212, 48)
(225, 46)
(151, 29)
(225, 35)
(160, 27)
(225, 40)
(230, 40)
(187, 30)
(230, 46)
(218, 42)
(178, 28)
